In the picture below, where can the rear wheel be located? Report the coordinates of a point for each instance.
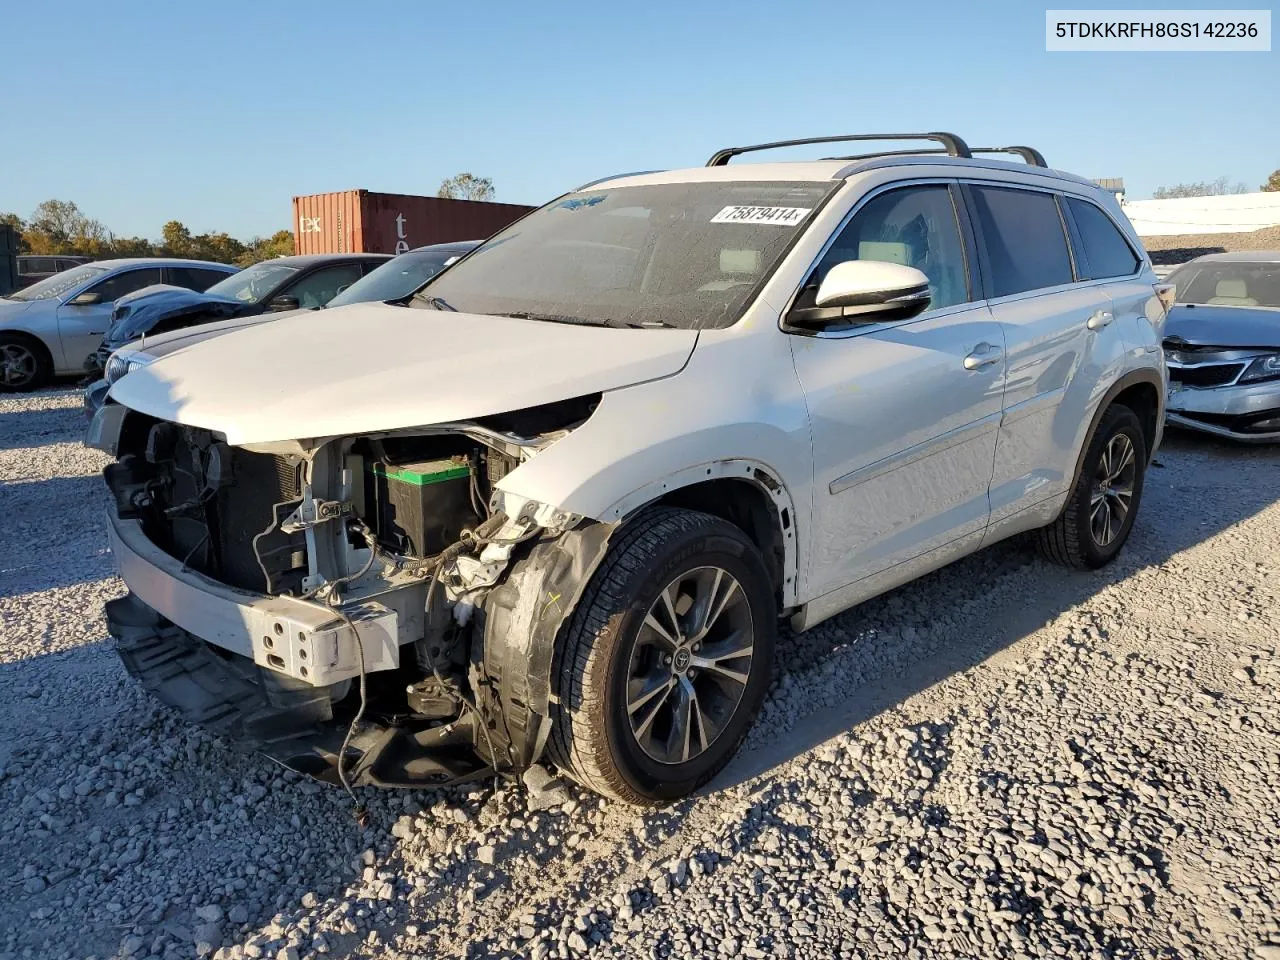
(666, 659)
(1099, 514)
(24, 363)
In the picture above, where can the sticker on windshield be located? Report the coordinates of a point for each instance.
(782, 216)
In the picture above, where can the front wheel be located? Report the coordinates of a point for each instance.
(666, 659)
(1099, 513)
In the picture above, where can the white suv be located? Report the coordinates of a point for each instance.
(564, 494)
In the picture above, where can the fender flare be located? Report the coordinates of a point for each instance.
(1147, 375)
(758, 474)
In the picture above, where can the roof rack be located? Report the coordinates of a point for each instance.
(951, 144)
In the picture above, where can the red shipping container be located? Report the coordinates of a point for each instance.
(357, 221)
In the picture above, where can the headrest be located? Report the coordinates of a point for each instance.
(740, 261)
(1232, 288)
(885, 252)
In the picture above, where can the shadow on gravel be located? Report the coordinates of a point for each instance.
(35, 428)
(1173, 517)
(44, 544)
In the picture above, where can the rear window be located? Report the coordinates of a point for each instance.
(1024, 239)
(1106, 252)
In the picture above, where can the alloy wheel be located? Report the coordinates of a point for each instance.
(1112, 493)
(17, 364)
(689, 665)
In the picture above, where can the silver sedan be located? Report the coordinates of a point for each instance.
(1222, 346)
(49, 328)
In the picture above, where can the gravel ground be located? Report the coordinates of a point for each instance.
(1001, 759)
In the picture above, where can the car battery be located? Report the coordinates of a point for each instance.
(422, 507)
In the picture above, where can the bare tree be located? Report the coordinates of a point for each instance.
(466, 186)
(1214, 188)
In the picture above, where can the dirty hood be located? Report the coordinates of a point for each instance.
(1215, 326)
(371, 367)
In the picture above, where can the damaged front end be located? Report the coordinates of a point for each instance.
(379, 590)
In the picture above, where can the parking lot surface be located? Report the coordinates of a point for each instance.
(1001, 759)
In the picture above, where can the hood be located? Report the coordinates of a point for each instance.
(11, 308)
(370, 367)
(163, 344)
(1214, 326)
(138, 312)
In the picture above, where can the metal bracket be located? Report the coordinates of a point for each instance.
(314, 511)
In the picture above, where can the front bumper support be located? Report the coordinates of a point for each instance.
(301, 640)
(293, 723)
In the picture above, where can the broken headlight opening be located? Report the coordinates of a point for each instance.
(337, 594)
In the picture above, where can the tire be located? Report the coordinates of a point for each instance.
(611, 655)
(24, 363)
(1073, 539)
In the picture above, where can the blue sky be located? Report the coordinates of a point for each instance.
(217, 114)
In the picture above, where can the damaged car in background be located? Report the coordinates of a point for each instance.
(554, 510)
(1222, 344)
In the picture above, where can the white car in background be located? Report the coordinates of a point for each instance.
(558, 510)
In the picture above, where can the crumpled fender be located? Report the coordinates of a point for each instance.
(521, 622)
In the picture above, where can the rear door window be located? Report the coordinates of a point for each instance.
(1024, 238)
(1106, 252)
(320, 286)
(194, 278)
(116, 286)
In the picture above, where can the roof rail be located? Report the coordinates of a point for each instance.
(952, 144)
(614, 176)
(1031, 155)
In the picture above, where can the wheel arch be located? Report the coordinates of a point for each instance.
(744, 492)
(1140, 391)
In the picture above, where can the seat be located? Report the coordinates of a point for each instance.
(738, 267)
(1232, 293)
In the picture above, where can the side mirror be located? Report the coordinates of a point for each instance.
(865, 291)
(282, 303)
(86, 299)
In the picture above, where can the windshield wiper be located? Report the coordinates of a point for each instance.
(587, 321)
(558, 318)
(435, 303)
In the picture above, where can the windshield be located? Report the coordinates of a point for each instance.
(397, 278)
(253, 284)
(1228, 284)
(675, 254)
(58, 284)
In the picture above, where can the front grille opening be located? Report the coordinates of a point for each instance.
(218, 509)
(1208, 375)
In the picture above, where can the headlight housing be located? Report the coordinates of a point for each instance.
(1262, 368)
(118, 366)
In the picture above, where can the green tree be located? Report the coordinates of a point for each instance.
(279, 244)
(176, 239)
(1273, 183)
(466, 186)
(131, 247)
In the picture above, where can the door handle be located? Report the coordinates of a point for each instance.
(1100, 319)
(983, 355)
